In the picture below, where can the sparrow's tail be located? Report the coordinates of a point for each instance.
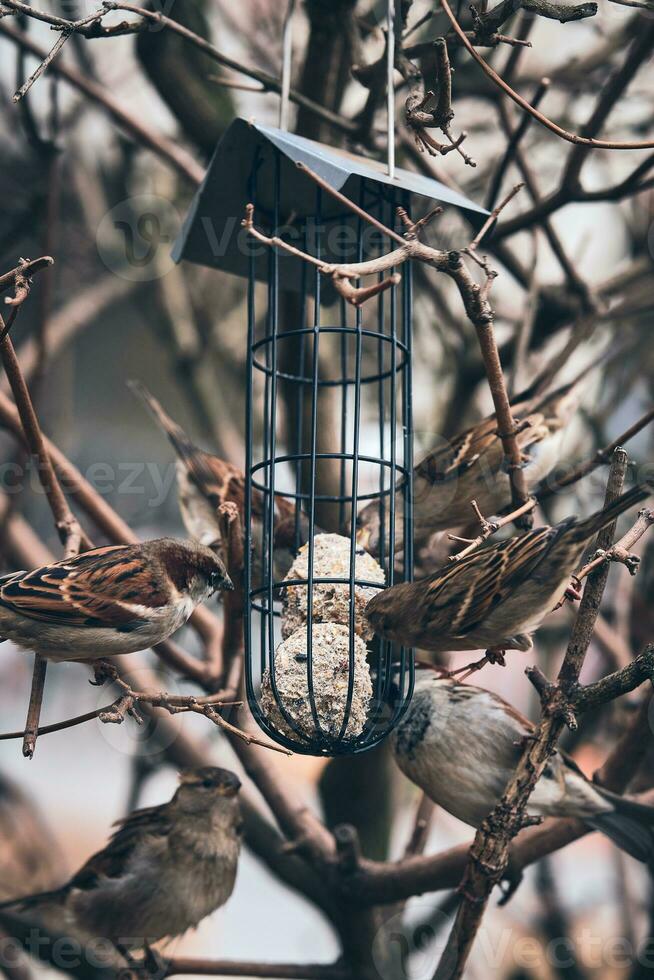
(584, 530)
(181, 442)
(630, 825)
(33, 901)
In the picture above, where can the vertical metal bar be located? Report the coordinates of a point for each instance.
(300, 397)
(407, 657)
(356, 421)
(315, 388)
(344, 404)
(381, 409)
(249, 437)
(269, 514)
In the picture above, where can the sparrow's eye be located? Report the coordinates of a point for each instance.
(207, 783)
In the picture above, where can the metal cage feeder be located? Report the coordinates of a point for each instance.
(317, 682)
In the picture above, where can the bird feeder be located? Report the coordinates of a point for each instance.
(329, 426)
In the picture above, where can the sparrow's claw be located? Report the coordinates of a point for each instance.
(154, 966)
(496, 657)
(104, 672)
(573, 591)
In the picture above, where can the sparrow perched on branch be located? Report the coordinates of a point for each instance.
(471, 467)
(497, 596)
(164, 870)
(461, 744)
(111, 600)
(204, 482)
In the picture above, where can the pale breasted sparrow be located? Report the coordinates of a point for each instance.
(164, 870)
(461, 744)
(497, 596)
(111, 600)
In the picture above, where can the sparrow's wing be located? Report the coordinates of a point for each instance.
(481, 442)
(465, 593)
(107, 587)
(450, 461)
(110, 862)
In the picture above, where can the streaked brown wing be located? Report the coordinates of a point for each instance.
(449, 461)
(110, 862)
(97, 588)
(482, 440)
(467, 592)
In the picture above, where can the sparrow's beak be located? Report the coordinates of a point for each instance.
(363, 537)
(227, 585)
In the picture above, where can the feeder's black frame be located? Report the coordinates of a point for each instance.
(393, 668)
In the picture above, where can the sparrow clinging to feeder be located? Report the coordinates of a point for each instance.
(495, 598)
(164, 870)
(471, 467)
(205, 481)
(107, 601)
(461, 744)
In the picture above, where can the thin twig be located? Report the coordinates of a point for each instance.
(173, 153)
(90, 28)
(512, 145)
(68, 528)
(621, 550)
(522, 102)
(488, 527)
(275, 971)
(601, 456)
(49, 58)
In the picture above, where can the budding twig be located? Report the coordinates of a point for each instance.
(488, 527)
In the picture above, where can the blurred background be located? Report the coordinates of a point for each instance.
(77, 184)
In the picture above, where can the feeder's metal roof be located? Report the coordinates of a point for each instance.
(212, 234)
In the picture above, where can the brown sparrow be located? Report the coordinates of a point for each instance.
(471, 467)
(116, 599)
(204, 482)
(164, 870)
(461, 744)
(497, 596)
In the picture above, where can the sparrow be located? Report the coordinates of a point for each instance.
(467, 776)
(496, 597)
(107, 601)
(204, 482)
(164, 870)
(471, 467)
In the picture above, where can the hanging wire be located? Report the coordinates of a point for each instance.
(390, 88)
(287, 58)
